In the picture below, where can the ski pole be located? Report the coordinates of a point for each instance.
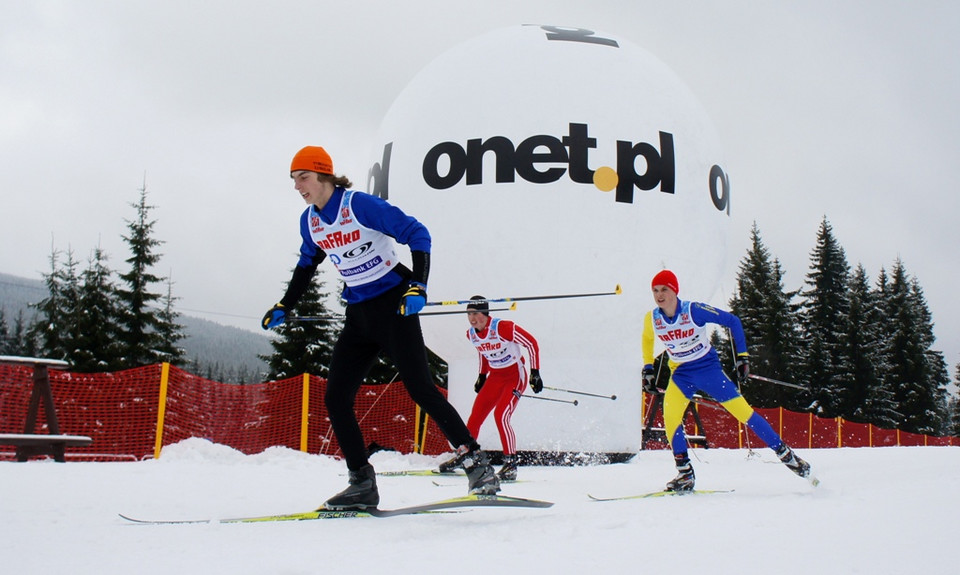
(335, 317)
(614, 397)
(700, 400)
(616, 291)
(513, 307)
(574, 402)
(733, 350)
(778, 382)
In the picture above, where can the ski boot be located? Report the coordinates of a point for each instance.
(360, 494)
(792, 461)
(451, 465)
(685, 478)
(509, 470)
(481, 479)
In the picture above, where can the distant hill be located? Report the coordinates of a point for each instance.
(219, 349)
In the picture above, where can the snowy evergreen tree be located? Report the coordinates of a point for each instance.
(870, 400)
(918, 375)
(54, 326)
(770, 324)
(955, 405)
(97, 344)
(305, 346)
(143, 329)
(169, 331)
(19, 340)
(825, 317)
(6, 339)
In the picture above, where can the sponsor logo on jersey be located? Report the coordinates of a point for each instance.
(485, 347)
(338, 239)
(358, 251)
(366, 266)
(675, 334)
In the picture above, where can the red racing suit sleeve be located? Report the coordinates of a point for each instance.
(513, 332)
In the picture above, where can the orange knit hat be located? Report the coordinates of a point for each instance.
(312, 159)
(666, 278)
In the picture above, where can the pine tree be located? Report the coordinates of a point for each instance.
(54, 327)
(21, 342)
(955, 405)
(6, 340)
(918, 375)
(305, 346)
(825, 316)
(870, 400)
(97, 343)
(169, 331)
(143, 335)
(770, 324)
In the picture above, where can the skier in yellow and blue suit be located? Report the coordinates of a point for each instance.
(681, 327)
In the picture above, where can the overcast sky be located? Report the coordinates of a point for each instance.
(847, 110)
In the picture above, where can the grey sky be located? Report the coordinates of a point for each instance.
(840, 109)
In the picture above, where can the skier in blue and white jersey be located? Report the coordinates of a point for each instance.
(695, 366)
(358, 232)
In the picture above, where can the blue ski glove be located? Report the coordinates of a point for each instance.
(274, 317)
(536, 384)
(413, 299)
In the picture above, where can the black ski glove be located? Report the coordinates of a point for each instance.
(649, 379)
(536, 384)
(481, 379)
(743, 368)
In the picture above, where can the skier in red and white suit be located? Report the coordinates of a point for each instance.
(502, 377)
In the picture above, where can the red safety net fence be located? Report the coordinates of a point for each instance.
(801, 430)
(132, 414)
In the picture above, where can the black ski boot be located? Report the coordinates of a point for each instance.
(451, 465)
(481, 478)
(509, 470)
(685, 478)
(792, 461)
(360, 494)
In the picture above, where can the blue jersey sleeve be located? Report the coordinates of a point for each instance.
(702, 314)
(386, 218)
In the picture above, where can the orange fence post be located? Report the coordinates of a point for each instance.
(810, 431)
(305, 413)
(420, 430)
(161, 408)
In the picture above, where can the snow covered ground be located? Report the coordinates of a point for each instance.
(877, 511)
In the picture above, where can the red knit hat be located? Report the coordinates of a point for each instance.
(312, 159)
(666, 278)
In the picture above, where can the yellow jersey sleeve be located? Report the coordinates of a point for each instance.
(646, 342)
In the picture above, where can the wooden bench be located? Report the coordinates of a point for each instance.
(42, 444)
(30, 443)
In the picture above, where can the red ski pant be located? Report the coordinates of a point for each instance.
(500, 394)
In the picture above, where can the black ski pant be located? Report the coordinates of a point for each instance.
(371, 327)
